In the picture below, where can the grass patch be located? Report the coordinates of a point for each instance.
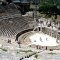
(3, 49)
(24, 51)
(52, 53)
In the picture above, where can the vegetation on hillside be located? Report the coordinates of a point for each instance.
(49, 8)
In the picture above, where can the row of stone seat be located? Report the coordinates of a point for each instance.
(9, 27)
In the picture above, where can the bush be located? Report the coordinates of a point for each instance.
(36, 56)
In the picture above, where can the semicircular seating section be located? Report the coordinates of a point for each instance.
(11, 27)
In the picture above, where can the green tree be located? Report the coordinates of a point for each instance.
(49, 9)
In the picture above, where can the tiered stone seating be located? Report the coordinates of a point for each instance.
(10, 27)
(11, 21)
